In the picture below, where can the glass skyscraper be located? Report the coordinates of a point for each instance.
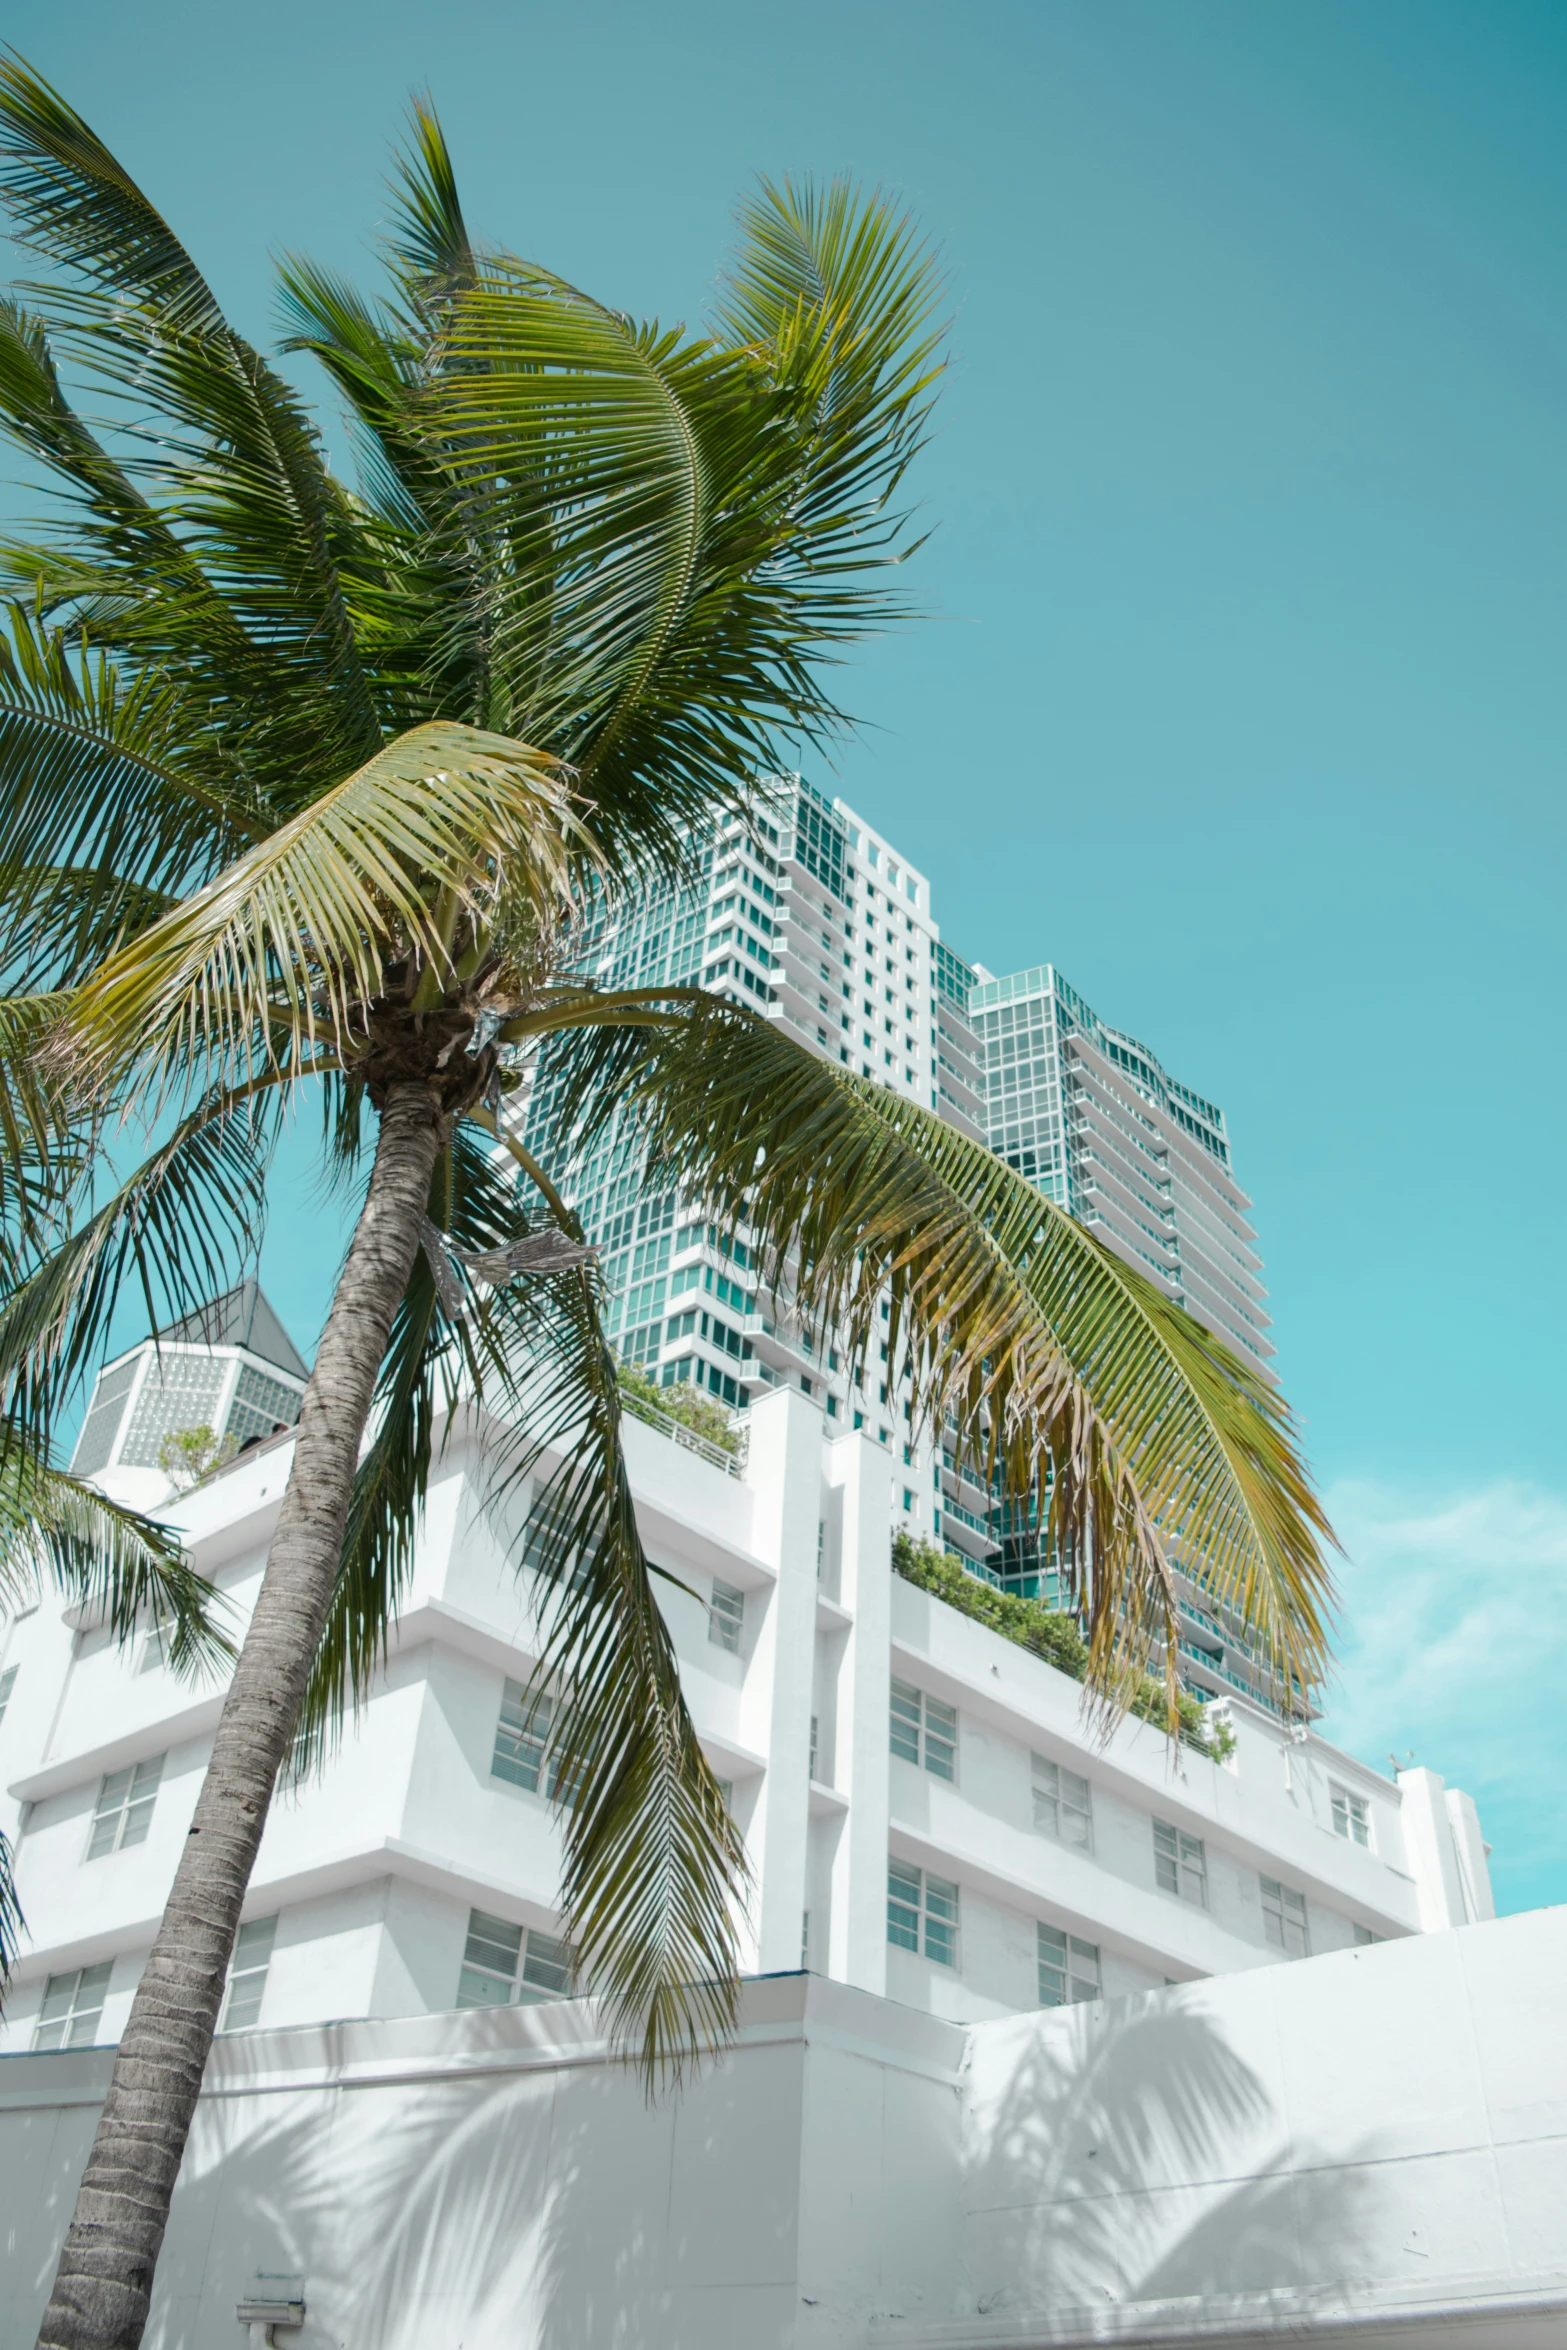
(1087, 1112)
(805, 913)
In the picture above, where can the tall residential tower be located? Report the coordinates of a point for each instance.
(1086, 1112)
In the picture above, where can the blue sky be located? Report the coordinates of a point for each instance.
(1243, 696)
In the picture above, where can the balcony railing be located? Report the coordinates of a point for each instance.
(732, 1463)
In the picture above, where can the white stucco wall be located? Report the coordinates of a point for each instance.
(1366, 2146)
(408, 1829)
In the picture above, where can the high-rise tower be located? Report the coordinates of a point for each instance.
(808, 915)
(1086, 1112)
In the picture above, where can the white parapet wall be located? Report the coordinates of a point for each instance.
(1369, 2146)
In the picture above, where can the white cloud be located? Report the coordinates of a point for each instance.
(1453, 1643)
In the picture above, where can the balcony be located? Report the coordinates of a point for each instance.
(781, 1349)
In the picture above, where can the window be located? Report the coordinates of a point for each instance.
(156, 1640)
(248, 1974)
(511, 1966)
(102, 1424)
(260, 1406)
(1364, 1936)
(922, 1913)
(1284, 1918)
(924, 1730)
(181, 1391)
(1068, 1969)
(1063, 1806)
(1351, 1817)
(7, 1684)
(524, 1754)
(1180, 1865)
(123, 1812)
(815, 1742)
(72, 2008)
(726, 1617)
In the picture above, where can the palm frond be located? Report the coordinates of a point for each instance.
(655, 1869)
(12, 1923)
(428, 239)
(1138, 1435)
(654, 1864)
(104, 807)
(118, 568)
(254, 493)
(176, 1231)
(123, 1567)
(842, 294)
(290, 940)
(41, 1157)
(628, 545)
(72, 201)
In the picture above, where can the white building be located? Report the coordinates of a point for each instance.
(1366, 2149)
(810, 916)
(231, 1367)
(924, 1814)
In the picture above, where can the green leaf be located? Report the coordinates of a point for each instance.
(655, 1871)
(1135, 1433)
(289, 944)
(122, 1567)
(175, 1232)
(12, 1923)
(105, 812)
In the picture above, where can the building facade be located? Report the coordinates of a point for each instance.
(1363, 2150)
(926, 1815)
(808, 915)
(1087, 1113)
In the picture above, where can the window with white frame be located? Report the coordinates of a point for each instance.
(155, 1640)
(1284, 1918)
(73, 2007)
(1351, 1816)
(248, 1974)
(511, 1966)
(1068, 1968)
(924, 1731)
(1180, 1864)
(1063, 1804)
(922, 1913)
(541, 1551)
(1364, 1936)
(526, 1753)
(726, 1617)
(7, 1684)
(123, 1812)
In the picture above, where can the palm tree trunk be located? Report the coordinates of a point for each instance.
(103, 2285)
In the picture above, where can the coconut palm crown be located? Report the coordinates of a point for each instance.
(304, 784)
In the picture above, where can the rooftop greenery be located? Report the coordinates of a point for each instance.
(685, 1406)
(1046, 1633)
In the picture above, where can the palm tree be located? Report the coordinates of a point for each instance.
(307, 784)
